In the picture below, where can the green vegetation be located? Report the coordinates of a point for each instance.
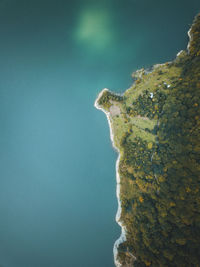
(158, 135)
(106, 99)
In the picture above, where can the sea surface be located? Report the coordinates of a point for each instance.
(57, 165)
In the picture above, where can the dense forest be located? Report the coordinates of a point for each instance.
(158, 135)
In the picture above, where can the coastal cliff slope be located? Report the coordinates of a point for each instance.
(155, 127)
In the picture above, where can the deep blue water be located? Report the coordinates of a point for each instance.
(57, 166)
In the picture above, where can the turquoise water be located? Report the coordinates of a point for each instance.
(57, 166)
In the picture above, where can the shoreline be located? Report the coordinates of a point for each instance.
(190, 39)
(122, 237)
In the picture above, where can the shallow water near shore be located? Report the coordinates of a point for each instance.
(57, 166)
